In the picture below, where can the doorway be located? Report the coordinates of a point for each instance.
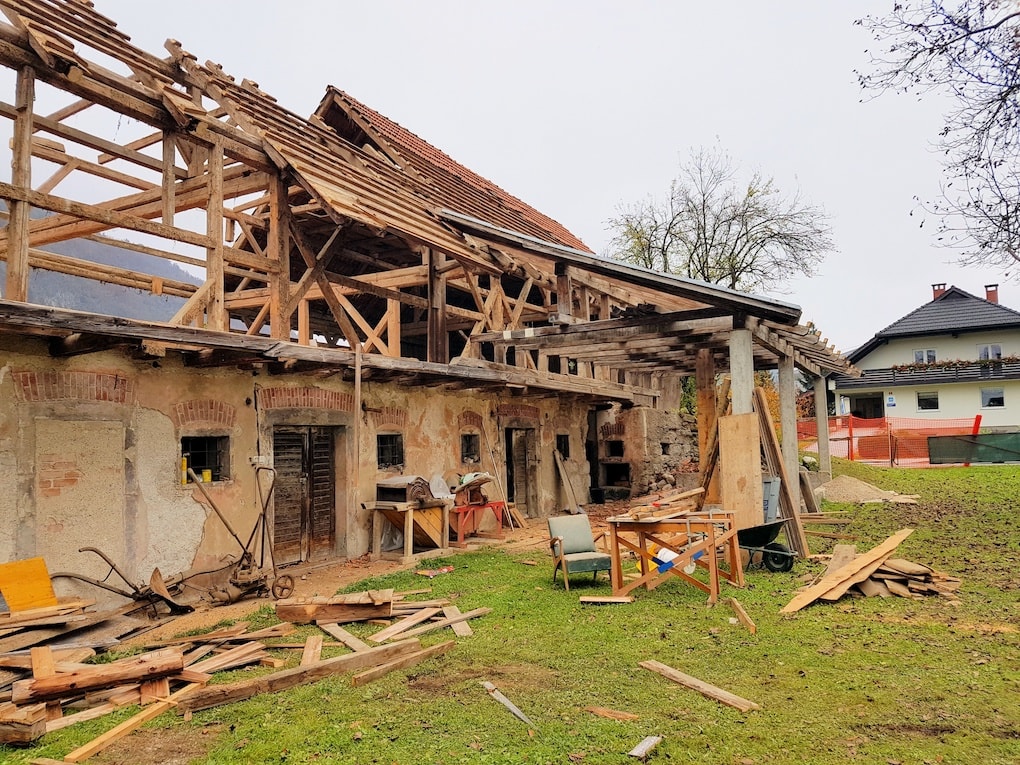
(304, 497)
(521, 469)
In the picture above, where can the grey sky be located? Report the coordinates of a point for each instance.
(579, 106)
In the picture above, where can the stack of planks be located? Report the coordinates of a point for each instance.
(665, 505)
(874, 573)
(174, 674)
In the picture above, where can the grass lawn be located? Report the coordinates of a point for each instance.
(860, 680)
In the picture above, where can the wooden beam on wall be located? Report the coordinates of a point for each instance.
(21, 176)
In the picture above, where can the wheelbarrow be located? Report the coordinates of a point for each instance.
(775, 556)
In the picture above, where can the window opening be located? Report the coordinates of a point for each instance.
(992, 398)
(614, 448)
(470, 448)
(927, 401)
(563, 445)
(207, 456)
(389, 450)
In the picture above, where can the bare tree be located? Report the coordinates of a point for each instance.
(713, 228)
(969, 50)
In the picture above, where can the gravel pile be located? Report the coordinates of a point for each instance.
(844, 488)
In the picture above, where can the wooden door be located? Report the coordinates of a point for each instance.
(304, 500)
(521, 469)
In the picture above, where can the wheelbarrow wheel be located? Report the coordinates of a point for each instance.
(777, 557)
(283, 586)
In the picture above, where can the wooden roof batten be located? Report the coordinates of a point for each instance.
(388, 191)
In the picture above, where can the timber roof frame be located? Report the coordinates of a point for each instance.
(314, 218)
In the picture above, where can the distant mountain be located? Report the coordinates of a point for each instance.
(74, 292)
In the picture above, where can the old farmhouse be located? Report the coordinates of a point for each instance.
(368, 310)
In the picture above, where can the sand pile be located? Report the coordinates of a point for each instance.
(843, 488)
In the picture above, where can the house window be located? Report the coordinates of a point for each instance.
(927, 401)
(563, 445)
(992, 398)
(470, 448)
(389, 450)
(207, 456)
(990, 352)
(924, 356)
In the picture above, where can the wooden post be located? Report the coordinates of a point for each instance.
(788, 424)
(822, 421)
(393, 329)
(741, 370)
(169, 179)
(705, 381)
(564, 292)
(438, 339)
(278, 249)
(215, 311)
(21, 177)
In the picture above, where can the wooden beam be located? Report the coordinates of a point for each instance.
(21, 176)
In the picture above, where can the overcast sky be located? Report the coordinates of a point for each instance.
(580, 106)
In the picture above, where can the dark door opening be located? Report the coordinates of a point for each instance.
(304, 498)
(521, 468)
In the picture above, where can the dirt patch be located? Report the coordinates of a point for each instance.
(844, 488)
(173, 746)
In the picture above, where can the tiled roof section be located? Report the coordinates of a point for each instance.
(448, 183)
(953, 311)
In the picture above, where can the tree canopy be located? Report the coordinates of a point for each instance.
(714, 228)
(970, 50)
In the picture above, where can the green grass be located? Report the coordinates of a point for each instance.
(860, 680)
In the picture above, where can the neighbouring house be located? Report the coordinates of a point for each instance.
(369, 310)
(955, 357)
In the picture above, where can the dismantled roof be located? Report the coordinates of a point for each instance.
(343, 232)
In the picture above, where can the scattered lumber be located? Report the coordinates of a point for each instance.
(339, 609)
(837, 581)
(404, 624)
(217, 695)
(402, 663)
(773, 456)
(705, 689)
(351, 641)
(498, 696)
(460, 629)
(907, 579)
(606, 599)
(312, 651)
(22, 724)
(645, 747)
(447, 622)
(742, 616)
(666, 504)
(612, 714)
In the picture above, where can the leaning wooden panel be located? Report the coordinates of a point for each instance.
(740, 468)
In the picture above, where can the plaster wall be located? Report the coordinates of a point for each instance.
(946, 347)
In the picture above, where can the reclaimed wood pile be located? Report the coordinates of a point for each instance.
(875, 573)
(57, 687)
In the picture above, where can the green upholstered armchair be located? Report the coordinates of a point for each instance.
(573, 548)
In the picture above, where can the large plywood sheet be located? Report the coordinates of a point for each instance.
(740, 468)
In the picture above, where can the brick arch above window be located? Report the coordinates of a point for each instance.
(203, 413)
(97, 386)
(305, 397)
(469, 420)
(389, 418)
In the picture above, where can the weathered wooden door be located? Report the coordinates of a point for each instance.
(522, 469)
(304, 500)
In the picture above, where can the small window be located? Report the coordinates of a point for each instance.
(563, 445)
(665, 448)
(928, 402)
(614, 448)
(992, 398)
(470, 448)
(389, 450)
(207, 456)
(925, 356)
(991, 352)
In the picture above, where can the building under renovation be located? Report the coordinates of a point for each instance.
(368, 309)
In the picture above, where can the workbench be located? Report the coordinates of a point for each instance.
(469, 517)
(693, 538)
(426, 527)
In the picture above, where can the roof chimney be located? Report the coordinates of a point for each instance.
(938, 290)
(992, 293)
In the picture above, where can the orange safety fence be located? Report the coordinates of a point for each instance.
(889, 440)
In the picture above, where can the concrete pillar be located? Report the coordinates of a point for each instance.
(822, 420)
(741, 371)
(788, 424)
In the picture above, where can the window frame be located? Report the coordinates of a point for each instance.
(929, 393)
(477, 452)
(986, 400)
(984, 352)
(925, 356)
(397, 445)
(217, 444)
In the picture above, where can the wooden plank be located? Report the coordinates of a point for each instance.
(612, 714)
(354, 607)
(217, 695)
(807, 492)
(130, 725)
(22, 725)
(606, 599)
(404, 624)
(313, 650)
(405, 661)
(351, 641)
(645, 747)
(26, 584)
(845, 576)
(705, 689)
(774, 458)
(740, 468)
(572, 505)
(100, 676)
(460, 629)
(85, 715)
(742, 615)
(449, 621)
